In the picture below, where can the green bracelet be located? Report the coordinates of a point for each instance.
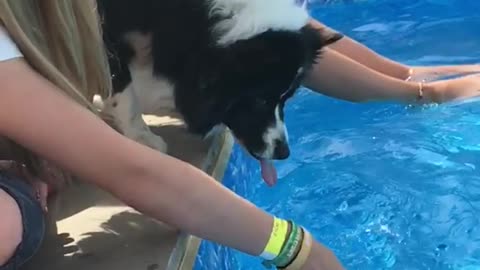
(295, 252)
(288, 252)
(286, 257)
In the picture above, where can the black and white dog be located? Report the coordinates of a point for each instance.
(216, 62)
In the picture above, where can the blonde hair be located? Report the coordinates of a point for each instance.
(61, 40)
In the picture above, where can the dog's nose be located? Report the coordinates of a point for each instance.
(282, 151)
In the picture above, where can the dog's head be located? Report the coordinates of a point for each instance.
(255, 79)
(260, 75)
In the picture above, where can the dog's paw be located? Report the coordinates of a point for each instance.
(98, 102)
(160, 145)
(153, 141)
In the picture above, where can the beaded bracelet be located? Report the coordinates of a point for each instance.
(420, 90)
(420, 84)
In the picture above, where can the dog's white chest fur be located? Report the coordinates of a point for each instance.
(155, 95)
(146, 94)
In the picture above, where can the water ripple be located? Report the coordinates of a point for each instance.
(385, 186)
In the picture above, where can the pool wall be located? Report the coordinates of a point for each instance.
(184, 255)
(240, 172)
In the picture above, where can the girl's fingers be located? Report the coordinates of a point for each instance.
(41, 193)
(40, 189)
(7, 165)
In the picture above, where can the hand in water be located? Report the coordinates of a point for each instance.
(39, 188)
(321, 258)
(456, 89)
(432, 73)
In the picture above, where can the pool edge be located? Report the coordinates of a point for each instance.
(184, 255)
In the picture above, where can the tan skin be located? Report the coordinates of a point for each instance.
(155, 184)
(362, 54)
(10, 227)
(350, 71)
(347, 70)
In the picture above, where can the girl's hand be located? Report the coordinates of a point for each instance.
(432, 73)
(321, 258)
(454, 89)
(39, 188)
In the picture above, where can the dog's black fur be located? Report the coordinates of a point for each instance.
(238, 85)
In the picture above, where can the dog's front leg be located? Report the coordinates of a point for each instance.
(123, 107)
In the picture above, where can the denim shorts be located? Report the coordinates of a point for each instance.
(33, 220)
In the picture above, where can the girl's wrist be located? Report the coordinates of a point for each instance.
(422, 92)
(425, 92)
(321, 258)
(288, 247)
(432, 92)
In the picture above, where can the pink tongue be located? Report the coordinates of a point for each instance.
(269, 174)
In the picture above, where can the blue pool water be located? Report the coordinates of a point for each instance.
(386, 186)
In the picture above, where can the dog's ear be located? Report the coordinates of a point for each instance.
(320, 36)
(314, 39)
(266, 57)
(273, 54)
(201, 113)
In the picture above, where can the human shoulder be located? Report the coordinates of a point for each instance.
(8, 48)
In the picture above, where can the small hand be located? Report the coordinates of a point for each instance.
(455, 89)
(431, 73)
(321, 258)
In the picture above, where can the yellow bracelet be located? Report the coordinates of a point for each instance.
(277, 239)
